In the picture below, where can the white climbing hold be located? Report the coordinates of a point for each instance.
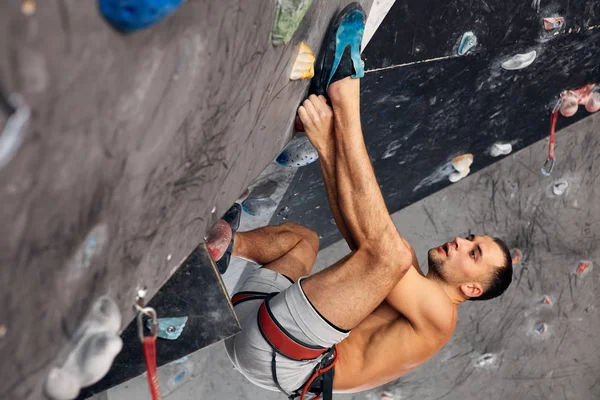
(500, 149)
(462, 165)
(304, 66)
(560, 187)
(485, 360)
(13, 134)
(93, 350)
(458, 175)
(519, 61)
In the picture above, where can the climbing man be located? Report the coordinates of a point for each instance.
(373, 315)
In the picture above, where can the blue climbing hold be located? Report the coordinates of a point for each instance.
(298, 153)
(132, 15)
(169, 328)
(467, 42)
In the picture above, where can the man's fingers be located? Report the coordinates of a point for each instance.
(311, 110)
(320, 104)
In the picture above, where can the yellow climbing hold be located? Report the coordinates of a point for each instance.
(28, 7)
(304, 66)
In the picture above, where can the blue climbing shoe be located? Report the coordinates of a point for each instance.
(339, 57)
(132, 15)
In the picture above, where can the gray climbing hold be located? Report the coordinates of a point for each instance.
(96, 344)
(519, 61)
(169, 328)
(298, 153)
(467, 42)
(500, 149)
(485, 360)
(258, 206)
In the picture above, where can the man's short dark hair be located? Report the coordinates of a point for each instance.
(501, 277)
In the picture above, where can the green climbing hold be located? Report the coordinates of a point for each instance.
(288, 15)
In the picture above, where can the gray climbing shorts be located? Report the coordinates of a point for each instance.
(249, 351)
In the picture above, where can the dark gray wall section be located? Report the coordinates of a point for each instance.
(416, 30)
(426, 114)
(145, 135)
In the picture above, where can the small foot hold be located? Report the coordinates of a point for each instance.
(583, 268)
(541, 328)
(500, 149)
(298, 153)
(132, 15)
(304, 66)
(169, 328)
(519, 61)
(485, 360)
(517, 256)
(560, 187)
(259, 206)
(467, 42)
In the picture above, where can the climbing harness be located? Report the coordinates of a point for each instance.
(282, 343)
(149, 343)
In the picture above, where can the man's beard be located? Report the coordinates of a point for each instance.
(436, 267)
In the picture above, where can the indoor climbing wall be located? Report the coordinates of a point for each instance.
(450, 78)
(129, 136)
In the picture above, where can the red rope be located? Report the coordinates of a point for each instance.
(552, 134)
(150, 356)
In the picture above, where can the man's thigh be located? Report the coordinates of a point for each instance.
(296, 263)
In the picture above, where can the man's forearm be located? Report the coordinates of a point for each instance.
(327, 162)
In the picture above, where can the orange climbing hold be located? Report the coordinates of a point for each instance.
(304, 66)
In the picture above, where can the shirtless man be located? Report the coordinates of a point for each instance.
(375, 306)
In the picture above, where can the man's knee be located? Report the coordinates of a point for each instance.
(306, 234)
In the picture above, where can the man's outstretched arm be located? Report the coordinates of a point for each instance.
(322, 136)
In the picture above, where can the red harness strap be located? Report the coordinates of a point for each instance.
(283, 343)
(279, 339)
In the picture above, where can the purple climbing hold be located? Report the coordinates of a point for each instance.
(132, 15)
(298, 153)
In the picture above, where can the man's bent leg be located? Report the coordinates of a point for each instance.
(289, 248)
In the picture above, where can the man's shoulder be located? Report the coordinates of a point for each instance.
(438, 313)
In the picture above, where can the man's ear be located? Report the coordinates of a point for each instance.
(472, 289)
